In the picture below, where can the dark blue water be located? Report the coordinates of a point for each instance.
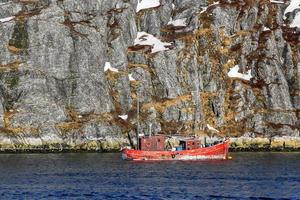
(106, 176)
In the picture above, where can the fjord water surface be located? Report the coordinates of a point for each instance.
(106, 176)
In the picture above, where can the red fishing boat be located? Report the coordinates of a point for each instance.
(153, 148)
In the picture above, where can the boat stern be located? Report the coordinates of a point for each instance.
(125, 154)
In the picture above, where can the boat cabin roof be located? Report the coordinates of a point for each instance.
(189, 139)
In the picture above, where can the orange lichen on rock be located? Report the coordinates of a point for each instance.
(11, 130)
(162, 105)
(14, 66)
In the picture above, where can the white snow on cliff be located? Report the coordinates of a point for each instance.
(145, 4)
(266, 29)
(204, 9)
(211, 128)
(124, 117)
(295, 4)
(177, 22)
(234, 73)
(296, 21)
(131, 77)
(7, 19)
(108, 66)
(144, 38)
(276, 1)
(173, 6)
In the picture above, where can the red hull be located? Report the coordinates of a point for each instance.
(218, 151)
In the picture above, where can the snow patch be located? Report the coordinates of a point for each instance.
(204, 9)
(145, 4)
(173, 6)
(108, 66)
(7, 19)
(276, 1)
(177, 22)
(296, 21)
(124, 117)
(234, 73)
(144, 38)
(212, 128)
(266, 29)
(295, 4)
(130, 77)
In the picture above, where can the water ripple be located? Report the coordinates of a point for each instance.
(248, 176)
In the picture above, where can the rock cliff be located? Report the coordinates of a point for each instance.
(72, 72)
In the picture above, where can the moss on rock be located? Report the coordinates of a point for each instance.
(19, 41)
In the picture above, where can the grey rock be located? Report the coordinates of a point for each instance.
(56, 94)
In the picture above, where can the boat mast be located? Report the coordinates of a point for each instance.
(196, 96)
(138, 120)
(150, 129)
(197, 100)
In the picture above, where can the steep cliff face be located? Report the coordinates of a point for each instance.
(72, 71)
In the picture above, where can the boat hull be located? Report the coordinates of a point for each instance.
(216, 152)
